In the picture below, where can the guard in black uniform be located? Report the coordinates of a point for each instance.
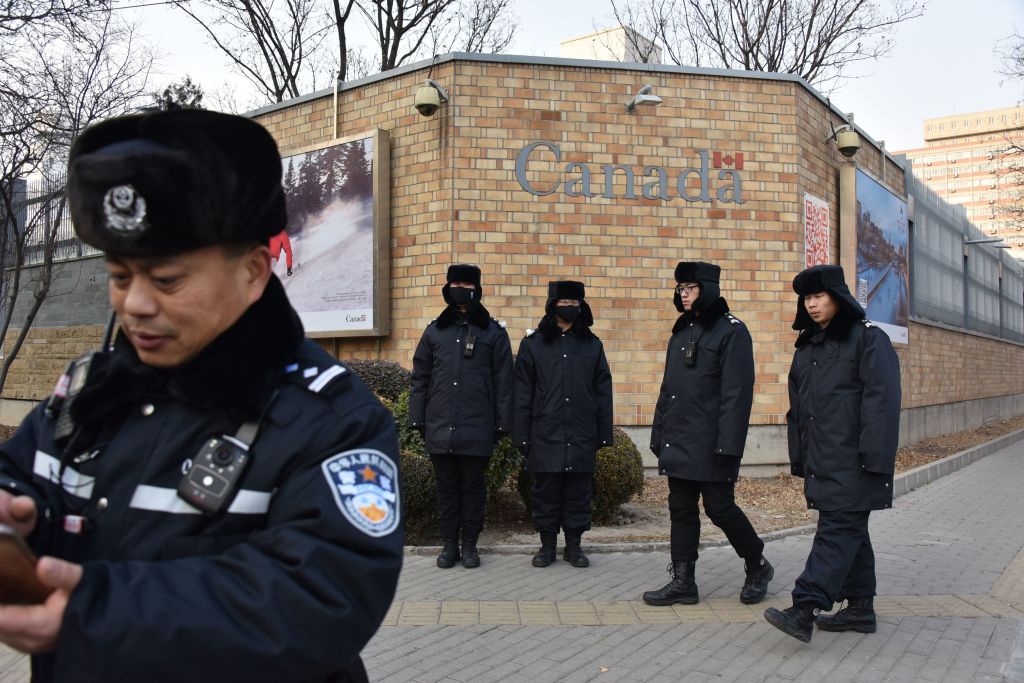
(844, 417)
(563, 414)
(216, 499)
(461, 401)
(700, 430)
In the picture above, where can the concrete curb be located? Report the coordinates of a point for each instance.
(916, 478)
(902, 484)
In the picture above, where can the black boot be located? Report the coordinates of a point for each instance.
(546, 554)
(470, 556)
(682, 589)
(450, 552)
(756, 585)
(572, 553)
(858, 615)
(796, 621)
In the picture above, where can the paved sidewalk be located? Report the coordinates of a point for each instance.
(950, 563)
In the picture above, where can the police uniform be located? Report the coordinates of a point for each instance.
(461, 400)
(291, 580)
(843, 421)
(699, 433)
(562, 416)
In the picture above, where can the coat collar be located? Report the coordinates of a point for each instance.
(235, 375)
(837, 330)
(706, 318)
(549, 329)
(478, 315)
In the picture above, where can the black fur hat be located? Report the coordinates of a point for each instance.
(569, 289)
(823, 278)
(462, 272)
(704, 274)
(165, 182)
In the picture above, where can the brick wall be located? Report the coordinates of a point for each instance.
(455, 197)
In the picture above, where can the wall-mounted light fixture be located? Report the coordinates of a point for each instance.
(429, 97)
(643, 98)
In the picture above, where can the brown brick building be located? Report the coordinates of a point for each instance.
(717, 172)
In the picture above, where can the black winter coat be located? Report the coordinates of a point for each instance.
(563, 399)
(700, 423)
(288, 584)
(462, 402)
(844, 416)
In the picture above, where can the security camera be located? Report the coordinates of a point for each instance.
(848, 142)
(429, 98)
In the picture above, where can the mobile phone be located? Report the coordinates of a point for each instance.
(19, 584)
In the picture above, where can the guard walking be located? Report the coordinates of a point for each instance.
(215, 498)
(563, 415)
(700, 430)
(844, 416)
(461, 401)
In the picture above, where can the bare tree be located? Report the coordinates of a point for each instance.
(479, 26)
(94, 71)
(1011, 153)
(278, 47)
(814, 39)
(401, 26)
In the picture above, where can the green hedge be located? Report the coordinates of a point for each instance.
(618, 477)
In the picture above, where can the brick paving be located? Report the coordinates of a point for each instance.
(950, 564)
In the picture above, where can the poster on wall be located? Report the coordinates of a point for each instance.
(816, 222)
(333, 254)
(882, 267)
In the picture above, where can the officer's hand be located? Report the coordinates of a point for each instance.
(34, 628)
(18, 512)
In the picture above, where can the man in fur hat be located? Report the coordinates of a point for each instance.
(563, 414)
(461, 401)
(844, 415)
(700, 429)
(215, 498)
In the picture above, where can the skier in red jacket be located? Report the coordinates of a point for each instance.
(279, 241)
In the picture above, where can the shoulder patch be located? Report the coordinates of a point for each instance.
(530, 332)
(733, 319)
(364, 483)
(502, 323)
(868, 323)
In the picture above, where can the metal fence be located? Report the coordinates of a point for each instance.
(47, 221)
(955, 280)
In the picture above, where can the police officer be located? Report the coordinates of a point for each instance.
(844, 415)
(700, 429)
(461, 401)
(215, 498)
(563, 414)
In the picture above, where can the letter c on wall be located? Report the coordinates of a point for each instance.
(524, 156)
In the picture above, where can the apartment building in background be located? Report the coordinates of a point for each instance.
(964, 160)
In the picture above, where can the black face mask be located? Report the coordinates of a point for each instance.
(460, 296)
(568, 313)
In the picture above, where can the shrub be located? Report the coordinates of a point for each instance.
(416, 484)
(386, 378)
(618, 476)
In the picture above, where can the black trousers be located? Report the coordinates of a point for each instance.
(461, 491)
(562, 500)
(720, 505)
(841, 564)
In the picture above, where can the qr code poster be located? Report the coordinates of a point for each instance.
(816, 220)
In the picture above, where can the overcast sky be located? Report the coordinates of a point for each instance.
(943, 63)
